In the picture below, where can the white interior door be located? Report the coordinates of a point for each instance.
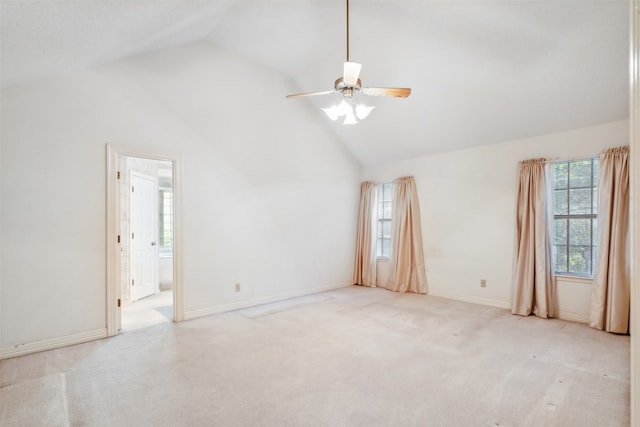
(143, 239)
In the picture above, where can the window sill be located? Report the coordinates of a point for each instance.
(165, 254)
(572, 278)
(379, 259)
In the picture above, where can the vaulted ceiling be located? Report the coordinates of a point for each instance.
(481, 71)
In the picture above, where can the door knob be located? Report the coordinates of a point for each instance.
(153, 243)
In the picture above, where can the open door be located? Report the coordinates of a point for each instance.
(143, 235)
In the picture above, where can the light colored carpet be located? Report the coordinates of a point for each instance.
(149, 311)
(350, 357)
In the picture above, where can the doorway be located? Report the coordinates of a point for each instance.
(146, 225)
(143, 281)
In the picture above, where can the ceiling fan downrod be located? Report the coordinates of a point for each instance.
(347, 30)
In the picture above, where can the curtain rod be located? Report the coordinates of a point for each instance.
(572, 159)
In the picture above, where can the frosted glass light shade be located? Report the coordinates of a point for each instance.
(351, 113)
(351, 73)
(350, 119)
(331, 112)
(362, 111)
(344, 108)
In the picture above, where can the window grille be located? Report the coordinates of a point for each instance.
(166, 221)
(575, 220)
(383, 235)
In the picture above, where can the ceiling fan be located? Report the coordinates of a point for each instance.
(349, 84)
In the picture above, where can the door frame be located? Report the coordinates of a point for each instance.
(634, 177)
(113, 264)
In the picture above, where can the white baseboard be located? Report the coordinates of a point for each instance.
(573, 317)
(472, 299)
(562, 315)
(193, 314)
(50, 344)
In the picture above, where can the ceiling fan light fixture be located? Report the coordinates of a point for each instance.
(351, 73)
(350, 119)
(351, 113)
(344, 108)
(362, 111)
(350, 84)
(331, 112)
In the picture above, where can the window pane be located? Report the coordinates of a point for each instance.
(580, 259)
(386, 230)
(388, 190)
(383, 229)
(580, 201)
(575, 197)
(560, 175)
(560, 202)
(580, 232)
(580, 173)
(386, 210)
(560, 257)
(594, 253)
(165, 223)
(560, 232)
(386, 247)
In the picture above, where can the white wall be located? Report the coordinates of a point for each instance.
(165, 273)
(269, 195)
(467, 203)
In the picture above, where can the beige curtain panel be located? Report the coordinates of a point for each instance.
(533, 281)
(407, 259)
(610, 299)
(364, 272)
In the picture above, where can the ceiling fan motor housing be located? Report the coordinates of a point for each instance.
(347, 91)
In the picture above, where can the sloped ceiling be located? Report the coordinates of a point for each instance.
(481, 71)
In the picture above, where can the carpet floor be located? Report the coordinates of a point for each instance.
(350, 357)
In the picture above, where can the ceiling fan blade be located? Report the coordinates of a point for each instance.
(299, 95)
(351, 72)
(399, 92)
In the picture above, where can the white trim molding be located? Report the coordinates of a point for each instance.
(634, 136)
(471, 299)
(52, 343)
(217, 309)
(562, 315)
(572, 317)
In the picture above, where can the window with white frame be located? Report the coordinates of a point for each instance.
(575, 220)
(383, 235)
(166, 222)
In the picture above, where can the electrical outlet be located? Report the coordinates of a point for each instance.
(483, 283)
(237, 287)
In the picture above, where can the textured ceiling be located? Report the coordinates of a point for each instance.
(481, 71)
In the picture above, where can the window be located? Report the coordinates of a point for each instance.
(385, 194)
(575, 208)
(166, 222)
